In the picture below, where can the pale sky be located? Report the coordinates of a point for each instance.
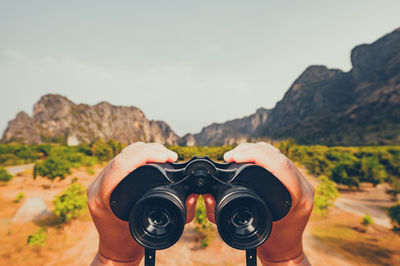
(189, 63)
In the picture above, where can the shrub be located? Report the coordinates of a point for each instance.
(52, 168)
(101, 150)
(70, 203)
(38, 239)
(19, 197)
(4, 175)
(394, 213)
(325, 195)
(367, 220)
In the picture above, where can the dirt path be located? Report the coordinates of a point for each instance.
(19, 168)
(371, 200)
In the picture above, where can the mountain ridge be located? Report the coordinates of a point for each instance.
(322, 106)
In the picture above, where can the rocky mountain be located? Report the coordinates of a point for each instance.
(56, 118)
(232, 132)
(322, 106)
(329, 106)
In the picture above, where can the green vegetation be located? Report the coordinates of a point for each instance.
(185, 153)
(349, 165)
(325, 195)
(52, 168)
(394, 213)
(19, 197)
(4, 175)
(38, 239)
(60, 159)
(367, 220)
(202, 226)
(71, 203)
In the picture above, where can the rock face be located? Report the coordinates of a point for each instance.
(234, 131)
(323, 106)
(56, 118)
(329, 106)
(359, 107)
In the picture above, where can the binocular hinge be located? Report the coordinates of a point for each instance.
(251, 257)
(149, 257)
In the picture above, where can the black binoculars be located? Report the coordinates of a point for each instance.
(153, 199)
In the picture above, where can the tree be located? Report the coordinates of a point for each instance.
(325, 195)
(52, 168)
(4, 175)
(101, 150)
(394, 213)
(70, 203)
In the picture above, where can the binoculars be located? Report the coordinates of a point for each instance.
(153, 199)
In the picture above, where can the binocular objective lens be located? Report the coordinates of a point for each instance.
(157, 222)
(159, 218)
(243, 222)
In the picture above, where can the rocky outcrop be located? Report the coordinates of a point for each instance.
(359, 107)
(323, 106)
(232, 132)
(332, 107)
(57, 119)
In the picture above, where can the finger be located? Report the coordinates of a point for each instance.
(124, 163)
(274, 161)
(229, 156)
(209, 203)
(191, 203)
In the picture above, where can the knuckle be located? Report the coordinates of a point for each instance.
(283, 161)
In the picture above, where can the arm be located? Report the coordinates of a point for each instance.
(284, 245)
(116, 245)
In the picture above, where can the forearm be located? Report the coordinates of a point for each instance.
(300, 260)
(100, 260)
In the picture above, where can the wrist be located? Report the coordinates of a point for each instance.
(101, 260)
(299, 260)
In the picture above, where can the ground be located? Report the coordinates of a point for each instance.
(338, 239)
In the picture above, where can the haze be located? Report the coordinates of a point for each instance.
(185, 62)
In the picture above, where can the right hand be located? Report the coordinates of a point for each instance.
(116, 245)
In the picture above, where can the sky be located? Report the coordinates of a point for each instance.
(188, 63)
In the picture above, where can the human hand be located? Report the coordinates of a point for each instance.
(284, 245)
(116, 245)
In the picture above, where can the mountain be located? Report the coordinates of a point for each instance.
(56, 118)
(322, 106)
(332, 107)
(234, 131)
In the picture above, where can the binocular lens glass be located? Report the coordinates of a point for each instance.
(242, 222)
(158, 218)
(157, 222)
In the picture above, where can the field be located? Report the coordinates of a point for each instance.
(337, 237)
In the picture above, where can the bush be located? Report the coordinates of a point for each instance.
(70, 204)
(4, 175)
(325, 195)
(52, 168)
(38, 239)
(394, 213)
(367, 220)
(19, 197)
(102, 150)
